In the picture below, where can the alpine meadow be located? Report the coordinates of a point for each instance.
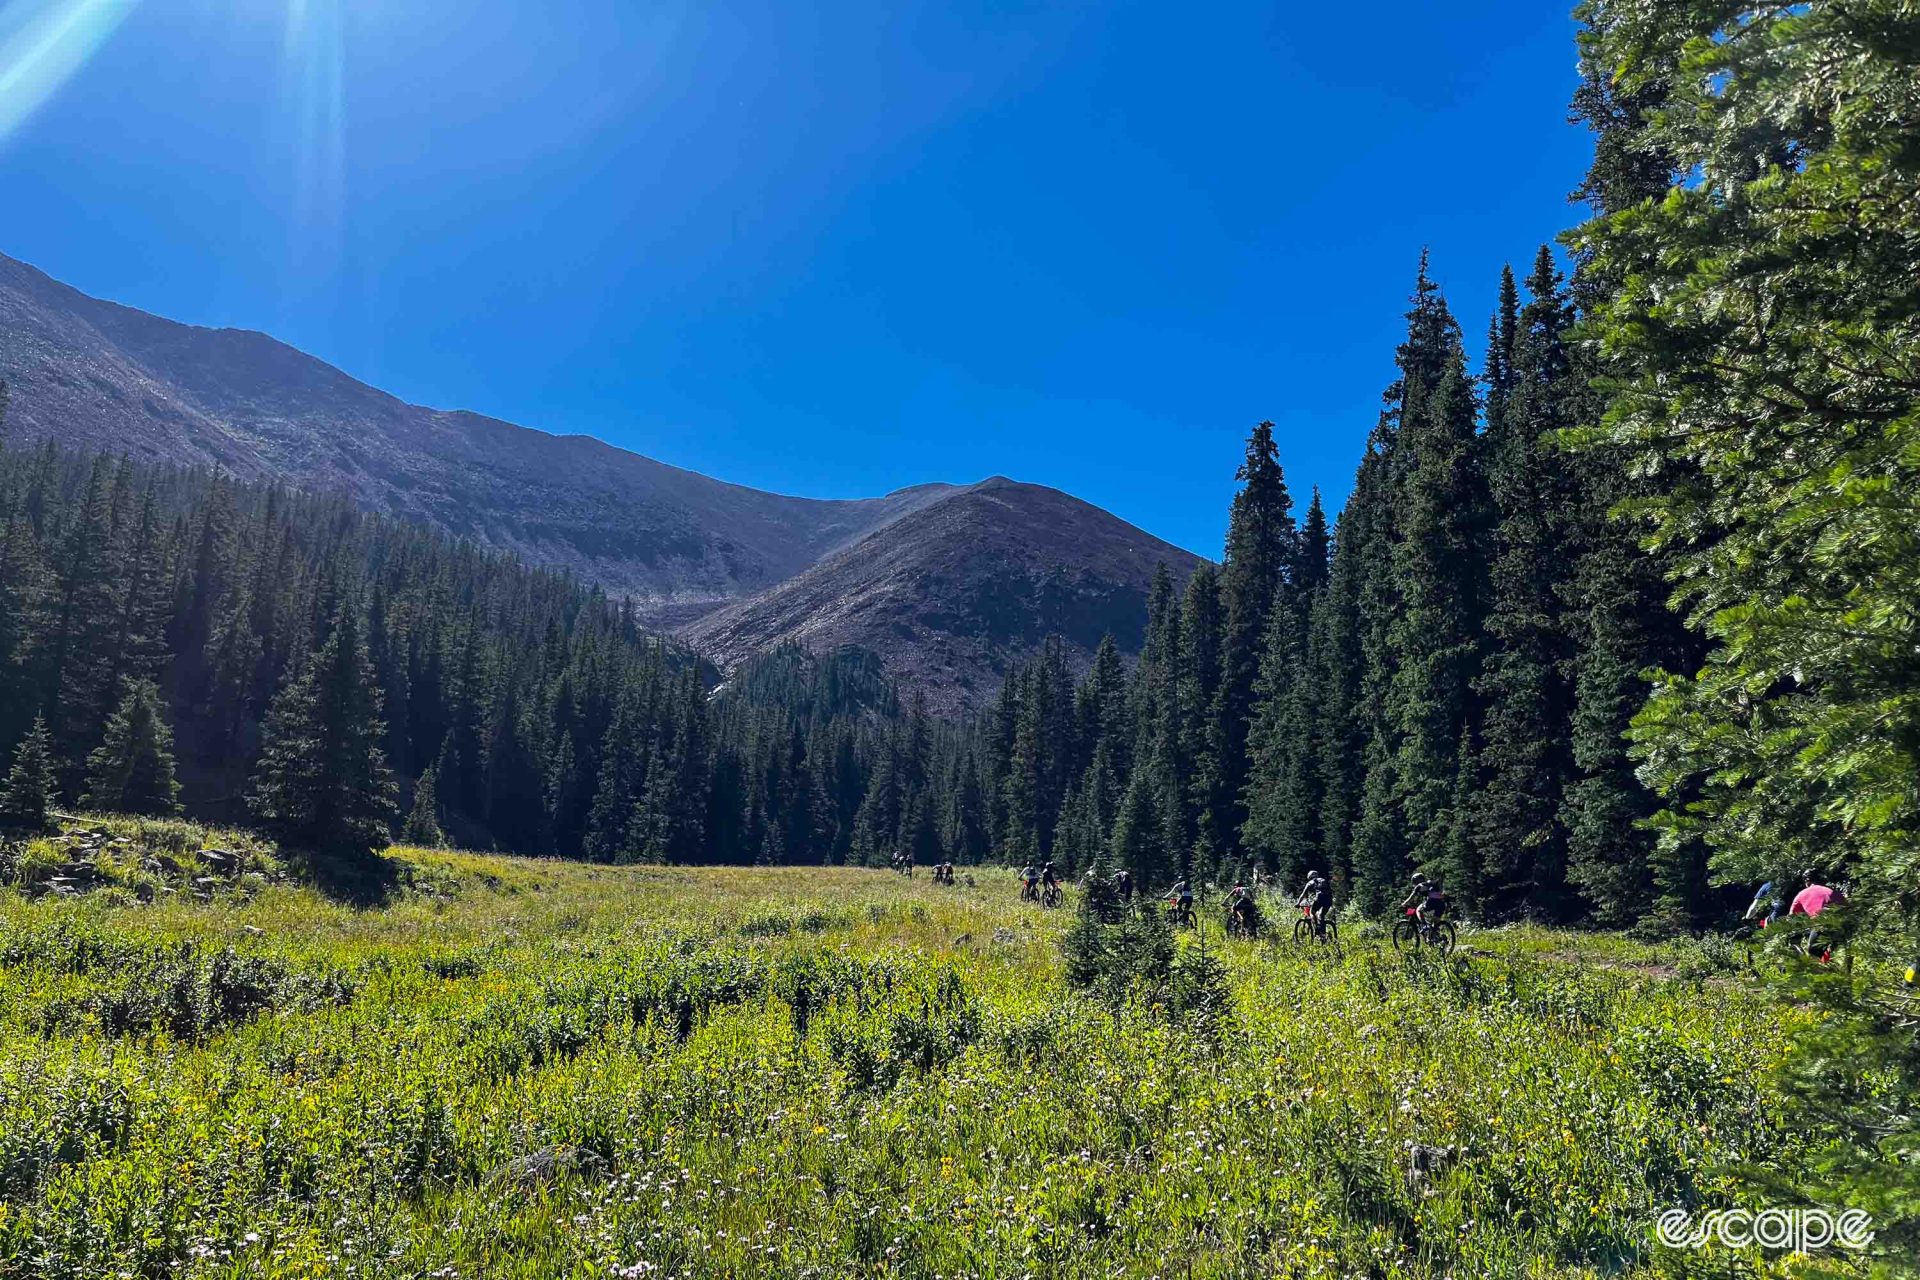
(438, 850)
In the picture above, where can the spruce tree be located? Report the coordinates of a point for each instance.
(1437, 638)
(28, 797)
(1759, 344)
(132, 771)
(76, 666)
(422, 827)
(1332, 768)
(322, 782)
(1525, 759)
(1260, 553)
(1197, 690)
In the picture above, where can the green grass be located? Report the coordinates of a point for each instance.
(515, 1068)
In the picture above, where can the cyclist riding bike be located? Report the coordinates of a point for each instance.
(1049, 878)
(1316, 898)
(1029, 883)
(1123, 886)
(1242, 911)
(1810, 902)
(1180, 901)
(1427, 901)
(1765, 907)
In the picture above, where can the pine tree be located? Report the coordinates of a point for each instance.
(422, 827)
(1260, 553)
(1759, 332)
(1197, 692)
(27, 800)
(132, 770)
(1436, 638)
(1525, 760)
(76, 668)
(1332, 769)
(1283, 795)
(322, 782)
(1617, 626)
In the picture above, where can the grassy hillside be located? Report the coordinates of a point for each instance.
(509, 1068)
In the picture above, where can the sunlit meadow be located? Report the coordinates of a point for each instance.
(512, 1068)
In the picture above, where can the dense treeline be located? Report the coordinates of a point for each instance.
(1443, 683)
(173, 637)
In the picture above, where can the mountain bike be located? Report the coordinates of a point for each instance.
(1244, 921)
(1052, 896)
(1328, 933)
(1180, 914)
(1413, 933)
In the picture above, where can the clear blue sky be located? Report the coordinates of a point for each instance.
(827, 248)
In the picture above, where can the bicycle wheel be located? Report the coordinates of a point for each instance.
(1330, 933)
(1442, 937)
(1302, 931)
(1405, 934)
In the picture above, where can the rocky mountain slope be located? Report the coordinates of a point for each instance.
(97, 375)
(948, 593)
(948, 584)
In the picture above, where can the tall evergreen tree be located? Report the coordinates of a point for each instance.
(1525, 759)
(323, 781)
(1195, 740)
(26, 802)
(1437, 638)
(1760, 333)
(132, 770)
(1260, 553)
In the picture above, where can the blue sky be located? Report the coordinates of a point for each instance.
(830, 248)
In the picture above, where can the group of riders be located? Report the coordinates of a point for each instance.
(1423, 912)
(902, 862)
(1425, 904)
(1812, 899)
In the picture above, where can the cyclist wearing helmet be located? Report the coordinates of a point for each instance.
(1180, 900)
(1426, 901)
(1317, 898)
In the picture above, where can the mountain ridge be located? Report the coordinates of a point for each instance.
(682, 545)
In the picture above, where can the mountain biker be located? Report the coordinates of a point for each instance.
(1048, 876)
(1317, 898)
(1810, 902)
(1765, 906)
(1240, 905)
(1123, 885)
(1427, 901)
(1029, 881)
(1180, 898)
